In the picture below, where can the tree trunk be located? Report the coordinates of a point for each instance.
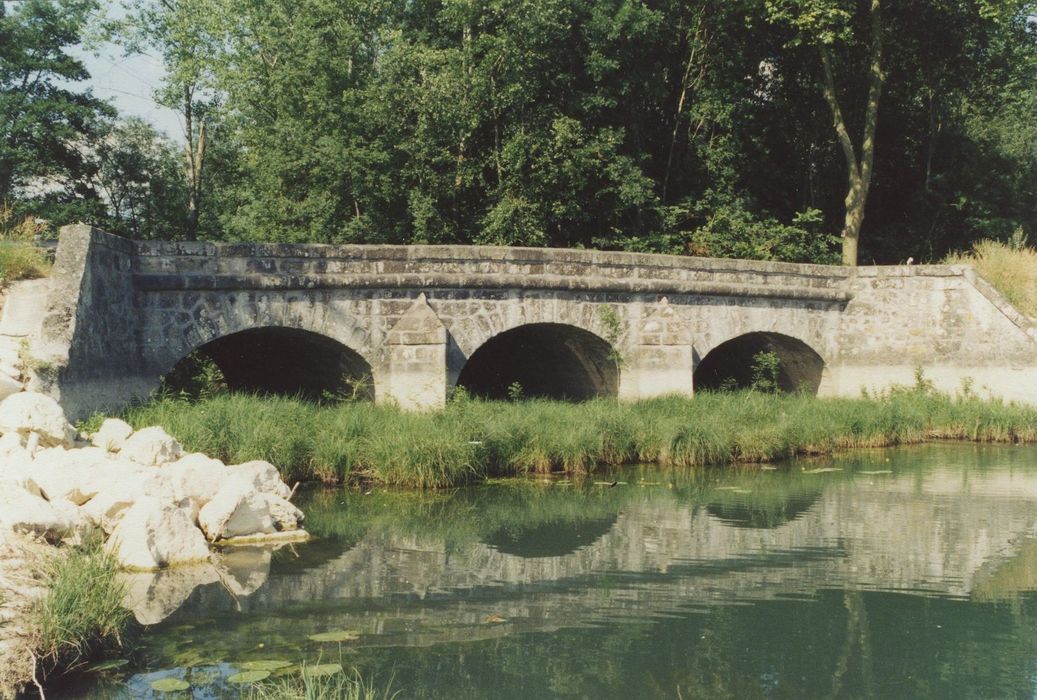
(859, 169)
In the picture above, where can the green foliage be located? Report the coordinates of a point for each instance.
(82, 610)
(319, 686)
(197, 376)
(20, 258)
(472, 440)
(766, 371)
(515, 392)
(686, 128)
(44, 120)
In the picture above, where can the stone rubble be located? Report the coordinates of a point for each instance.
(158, 506)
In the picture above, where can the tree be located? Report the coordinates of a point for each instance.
(44, 126)
(141, 179)
(825, 24)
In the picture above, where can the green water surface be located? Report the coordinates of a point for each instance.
(887, 574)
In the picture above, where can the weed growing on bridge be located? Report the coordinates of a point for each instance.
(472, 439)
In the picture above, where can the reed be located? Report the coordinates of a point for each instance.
(471, 440)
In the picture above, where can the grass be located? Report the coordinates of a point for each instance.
(19, 258)
(1012, 269)
(336, 686)
(473, 440)
(82, 611)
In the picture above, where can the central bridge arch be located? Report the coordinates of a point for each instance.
(548, 360)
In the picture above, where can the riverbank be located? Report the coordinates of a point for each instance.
(471, 440)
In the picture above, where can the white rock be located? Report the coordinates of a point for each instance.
(11, 445)
(151, 446)
(21, 511)
(28, 412)
(263, 477)
(286, 516)
(236, 509)
(154, 534)
(196, 477)
(9, 385)
(108, 506)
(112, 434)
(73, 475)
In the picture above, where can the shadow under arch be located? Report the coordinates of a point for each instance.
(730, 364)
(550, 539)
(282, 361)
(763, 514)
(548, 360)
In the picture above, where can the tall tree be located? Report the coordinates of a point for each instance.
(44, 124)
(827, 24)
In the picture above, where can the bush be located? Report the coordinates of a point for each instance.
(1010, 267)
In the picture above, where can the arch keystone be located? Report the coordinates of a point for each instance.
(416, 347)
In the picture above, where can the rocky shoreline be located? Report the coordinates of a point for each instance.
(155, 507)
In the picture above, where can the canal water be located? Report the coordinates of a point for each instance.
(897, 573)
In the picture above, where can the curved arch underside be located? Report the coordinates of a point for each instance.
(731, 362)
(549, 360)
(288, 362)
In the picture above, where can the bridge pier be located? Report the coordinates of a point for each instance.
(662, 362)
(415, 375)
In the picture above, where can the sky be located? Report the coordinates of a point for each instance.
(129, 82)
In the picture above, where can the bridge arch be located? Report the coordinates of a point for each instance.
(549, 360)
(281, 360)
(730, 364)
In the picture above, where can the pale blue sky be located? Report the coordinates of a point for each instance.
(129, 82)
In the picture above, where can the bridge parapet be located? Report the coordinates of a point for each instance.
(211, 266)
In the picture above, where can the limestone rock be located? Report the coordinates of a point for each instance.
(236, 509)
(21, 511)
(151, 446)
(262, 476)
(12, 445)
(27, 412)
(154, 534)
(112, 434)
(73, 475)
(8, 385)
(116, 497)
(195, 477)
(286, 516)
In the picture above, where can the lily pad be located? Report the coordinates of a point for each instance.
(336, 636)
(169, 685)
(321, 670)
(263, 665)
(248, 677)
(109, 665)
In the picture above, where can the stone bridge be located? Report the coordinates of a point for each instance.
(406, 324)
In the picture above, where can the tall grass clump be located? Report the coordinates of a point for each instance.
(471, 439)
(81, 612)
(315, 686)
(1010, 267)
(19, 257)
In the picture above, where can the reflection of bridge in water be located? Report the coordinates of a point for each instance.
(944, 531)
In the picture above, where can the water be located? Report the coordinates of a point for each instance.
(887, 573)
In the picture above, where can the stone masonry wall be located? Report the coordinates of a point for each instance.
(122, 313)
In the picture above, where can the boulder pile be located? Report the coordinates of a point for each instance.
(156, 506)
